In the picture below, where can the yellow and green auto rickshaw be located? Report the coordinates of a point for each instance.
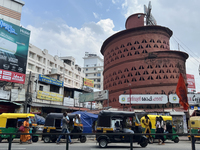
(10, 123)
(194, 124)
(169, 127)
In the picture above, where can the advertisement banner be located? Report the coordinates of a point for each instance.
(14, 44)
(68, 102)
(49, 96)
(87, 97)
(50, 80)
(101, 95)
(191, 82)
(143, 99)
(88, 82)
(192, 98)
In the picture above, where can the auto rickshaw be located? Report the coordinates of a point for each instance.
(194, 124)
(53, 124)
(119, 122)
(10, 123)
(169, 127)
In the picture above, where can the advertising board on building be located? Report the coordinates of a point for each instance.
(101, 95)
(50, 80)
(191, 83)
(68, 102)
(5, 95)
(88, 82)
(192, 98)
(49, 96)
(14, 44)
(143, 99)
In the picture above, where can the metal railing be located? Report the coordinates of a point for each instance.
(192, 136)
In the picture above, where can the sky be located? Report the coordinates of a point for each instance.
(73, 27)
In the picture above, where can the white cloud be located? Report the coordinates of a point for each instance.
(96, 15)
(70, 41)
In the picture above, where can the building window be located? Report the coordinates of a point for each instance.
(54, 88)
(86, 69)
(94, 68)
(98, 74)
(98, 80)
(95, 64)
(31, 54)
(95, 74)
(51, 64)
(86, 75)
(86, 65)
(94, 80)
(44, 60)
(37, 69)
(39, 58)
(41, 88)
(30, 66)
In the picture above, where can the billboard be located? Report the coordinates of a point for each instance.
(49, 96)
(143, 99)
(192, 98)
(101, 95)
(14, 44)
(88, 82)
(50, 80)
(191, 83)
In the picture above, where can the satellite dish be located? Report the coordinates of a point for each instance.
(150, 20)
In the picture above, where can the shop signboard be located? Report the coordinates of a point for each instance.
(5, 95)
(192, 98)
(88, 82)
(14, 44)
(143, 99)
(195, 108)
(49, 96)
(50, 80)
(191, 83)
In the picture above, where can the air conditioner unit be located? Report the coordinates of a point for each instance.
(7, 46)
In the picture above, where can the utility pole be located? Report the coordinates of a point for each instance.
(27, 94)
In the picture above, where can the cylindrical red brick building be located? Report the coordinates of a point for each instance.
(140, 58)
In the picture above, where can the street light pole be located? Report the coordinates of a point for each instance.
(130, 94)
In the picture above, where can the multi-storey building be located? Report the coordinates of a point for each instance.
(93, 68)
(10, 10)
(41, 62)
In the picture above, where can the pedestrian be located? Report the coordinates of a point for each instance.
(25, 138)
(147, 124)
(162, 129)
(65, 122)
(159, 130)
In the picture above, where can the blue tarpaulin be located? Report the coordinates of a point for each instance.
(87, 120)
(39, 120)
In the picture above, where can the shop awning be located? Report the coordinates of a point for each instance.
(5, 101)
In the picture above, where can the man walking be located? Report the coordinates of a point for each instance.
(65, 122)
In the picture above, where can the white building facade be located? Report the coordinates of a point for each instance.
(41, 62)
(93, 68)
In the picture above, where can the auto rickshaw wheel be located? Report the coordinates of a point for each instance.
(176, 140)
(35, 138)
(103, 143)
(151, 140)
(83, 139)
(47, 139)
(144, 143)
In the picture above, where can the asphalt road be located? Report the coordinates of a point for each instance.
(92, 145)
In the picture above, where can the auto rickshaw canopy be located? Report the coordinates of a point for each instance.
(5, 116)
(194, 122)
(153, 119)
